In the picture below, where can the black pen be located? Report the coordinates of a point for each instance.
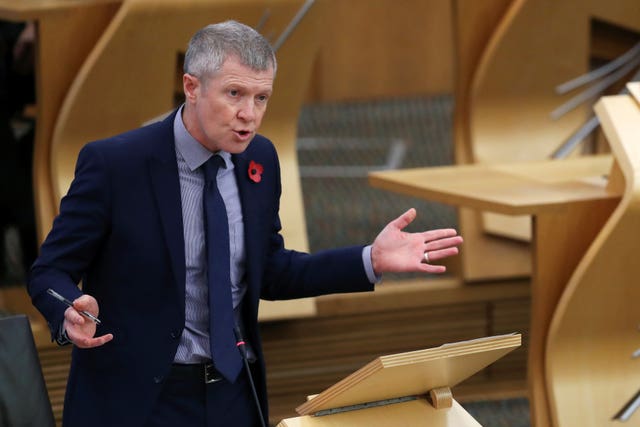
(70, 304)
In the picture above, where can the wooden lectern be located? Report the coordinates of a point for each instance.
(405, 389)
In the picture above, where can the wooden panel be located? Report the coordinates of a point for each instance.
(55, 368)
(413, 413)
(380, 49)
(347, 333)
(474, 23)
(569, 211)
(412, 373)
(510, 188)
(503, 110)
(591, 370)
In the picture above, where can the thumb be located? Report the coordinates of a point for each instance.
(405, 219)
(85, 302)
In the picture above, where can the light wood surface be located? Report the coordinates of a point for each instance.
(570, 201)
(504, 97)
(28, 10)
(396, 376)
(634, 90)
(590, 369)
(506, 117)
(409, 414)
(474, 23)
(412, 373)
(510, 188)
(511, 105)
(351, 330)
(373, 49)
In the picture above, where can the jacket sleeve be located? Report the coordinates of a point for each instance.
(291, 274)
(74, 239)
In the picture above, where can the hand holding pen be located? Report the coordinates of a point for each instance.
(70, 304)
(79, 323)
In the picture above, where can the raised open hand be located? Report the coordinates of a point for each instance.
(397, 251)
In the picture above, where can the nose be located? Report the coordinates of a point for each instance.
(247, 111)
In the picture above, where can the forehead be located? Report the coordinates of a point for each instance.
(233, 72)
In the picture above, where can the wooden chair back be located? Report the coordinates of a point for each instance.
(592, 367)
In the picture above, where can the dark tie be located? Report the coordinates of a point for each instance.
(224, 353)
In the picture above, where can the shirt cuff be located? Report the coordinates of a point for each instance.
(61, 337)
(368, 265)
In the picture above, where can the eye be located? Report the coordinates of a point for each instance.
(233, 92)
(262, 98)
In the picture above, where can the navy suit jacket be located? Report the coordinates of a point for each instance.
(120, 232)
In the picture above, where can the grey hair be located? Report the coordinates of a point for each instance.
(213, 44)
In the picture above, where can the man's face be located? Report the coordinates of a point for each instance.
(225, 112)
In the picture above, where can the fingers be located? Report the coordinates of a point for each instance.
(439, 248)
(441, 253)
(430, 268)
(442, 243)
(81, 330)
(86, 303)
(88, 342)
(72, 316)
(435, 269)
(405, 219)
(438, 234)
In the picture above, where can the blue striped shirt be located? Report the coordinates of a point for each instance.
(194, 342)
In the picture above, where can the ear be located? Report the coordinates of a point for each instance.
(191, 87)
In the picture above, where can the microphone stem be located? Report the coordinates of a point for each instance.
(240, 342)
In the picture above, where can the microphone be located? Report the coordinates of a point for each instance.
(244, 353)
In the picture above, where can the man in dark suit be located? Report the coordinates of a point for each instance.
(142, 226)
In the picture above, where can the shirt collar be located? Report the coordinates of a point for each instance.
(194, 153)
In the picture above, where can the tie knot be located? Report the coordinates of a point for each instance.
(211, 167)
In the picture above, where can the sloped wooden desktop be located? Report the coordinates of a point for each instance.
(569, 201)
(392, 390)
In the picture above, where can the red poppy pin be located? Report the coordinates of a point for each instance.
(255, 171)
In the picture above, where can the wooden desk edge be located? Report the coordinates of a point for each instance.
(387, 180)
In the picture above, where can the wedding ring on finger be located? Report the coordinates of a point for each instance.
(426, 257)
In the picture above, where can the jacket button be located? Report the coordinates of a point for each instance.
(157, 379)
(174, 334)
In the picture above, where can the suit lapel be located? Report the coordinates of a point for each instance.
(251, 218)
(163, 168)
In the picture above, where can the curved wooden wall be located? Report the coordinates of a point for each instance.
(535, 46)
(538, 45)
(474, 24)
(380, 49)
(591, 369)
